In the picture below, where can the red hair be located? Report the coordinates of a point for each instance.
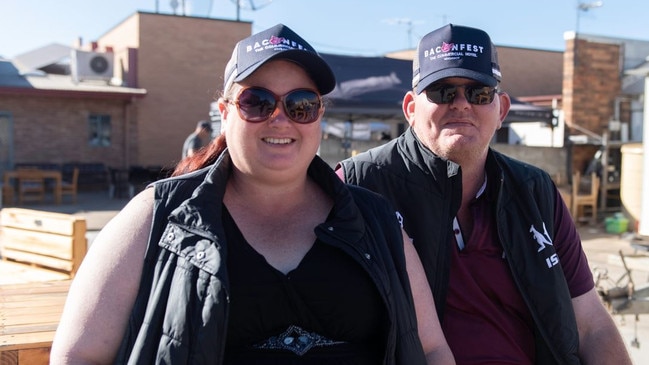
(202, 158)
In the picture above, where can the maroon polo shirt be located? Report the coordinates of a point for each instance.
(486, 320)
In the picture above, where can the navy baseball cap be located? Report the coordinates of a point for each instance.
(455, 51)
(278, 42)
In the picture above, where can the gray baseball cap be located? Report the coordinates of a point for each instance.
(278, 42)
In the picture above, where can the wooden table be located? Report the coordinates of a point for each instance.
(29, 316)
(54, 175)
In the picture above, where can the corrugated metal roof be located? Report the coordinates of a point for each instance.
(41, 57)
(530, 72)
(633, 82)
(11, 77)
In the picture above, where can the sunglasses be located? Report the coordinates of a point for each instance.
(474, 94)
(256, 104)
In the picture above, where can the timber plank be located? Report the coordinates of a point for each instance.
(29, 316)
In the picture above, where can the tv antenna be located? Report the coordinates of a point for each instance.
(408, 22)
(250, 5)
(174, 6)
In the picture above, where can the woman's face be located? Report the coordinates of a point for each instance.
(278, 147)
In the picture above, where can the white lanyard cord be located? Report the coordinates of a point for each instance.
(456, 224)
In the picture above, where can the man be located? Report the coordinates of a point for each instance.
(502, 255)
(195, 141)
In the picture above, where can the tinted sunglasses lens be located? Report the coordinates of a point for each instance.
(441, 94)
(480, 95)
(474, 94)
(256, 105)
(302, 106)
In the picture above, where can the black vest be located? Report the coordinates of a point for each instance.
(426, 190)
(181, 309)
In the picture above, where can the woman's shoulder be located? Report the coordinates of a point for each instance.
(372, 203)
(364, 194)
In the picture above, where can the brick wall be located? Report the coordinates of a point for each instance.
(180, 62)
(55, 129)
(591, 83)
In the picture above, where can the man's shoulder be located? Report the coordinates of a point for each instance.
(523, 174)
(377, 169)
(380, 155)
(516, 166)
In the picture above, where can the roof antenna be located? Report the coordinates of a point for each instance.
(174, 5)
(250, 5)
(408, 22)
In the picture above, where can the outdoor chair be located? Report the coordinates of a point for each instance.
(584, 200)
(70, 187)
(31, 186)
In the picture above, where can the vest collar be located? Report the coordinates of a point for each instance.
(201, 212)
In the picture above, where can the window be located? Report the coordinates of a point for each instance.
(99, 130)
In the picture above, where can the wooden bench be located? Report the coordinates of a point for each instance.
(40, 246)
(41, 252)
(29, 316)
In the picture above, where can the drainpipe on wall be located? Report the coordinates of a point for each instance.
(624, 127)
(128, 115)
(644, 206)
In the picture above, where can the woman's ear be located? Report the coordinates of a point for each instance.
(224, 111)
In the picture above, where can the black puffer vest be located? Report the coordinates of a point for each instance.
(181, 312)
(426, 190)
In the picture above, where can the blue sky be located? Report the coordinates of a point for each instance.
(355, 27)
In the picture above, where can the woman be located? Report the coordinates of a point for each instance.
(255, 253)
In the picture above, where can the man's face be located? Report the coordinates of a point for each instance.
(450, 125)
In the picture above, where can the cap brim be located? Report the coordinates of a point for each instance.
(315, 66)
(455, 72)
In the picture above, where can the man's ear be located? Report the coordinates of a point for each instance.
(408, 106)
(505, 104)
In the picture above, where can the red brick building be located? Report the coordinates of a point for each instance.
(166, 70)
(179, 60)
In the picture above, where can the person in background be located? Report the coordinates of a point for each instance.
(255, 252)
(197, 139)
(502, 255)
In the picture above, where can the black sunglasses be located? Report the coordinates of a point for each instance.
(475, 94)
(256, 104)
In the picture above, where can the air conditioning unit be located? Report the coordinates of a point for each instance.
(91, 66)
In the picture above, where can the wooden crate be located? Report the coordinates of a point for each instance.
(41, 252)
(40, 246)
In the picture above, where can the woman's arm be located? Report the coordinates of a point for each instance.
(103, 291)
(430, 331)
(600, 341)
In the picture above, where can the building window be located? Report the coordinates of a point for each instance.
(99, 130)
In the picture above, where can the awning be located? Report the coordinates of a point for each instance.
(372, 88)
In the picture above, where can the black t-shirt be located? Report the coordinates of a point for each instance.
(327, 293)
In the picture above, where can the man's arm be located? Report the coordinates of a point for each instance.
(600, 341)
